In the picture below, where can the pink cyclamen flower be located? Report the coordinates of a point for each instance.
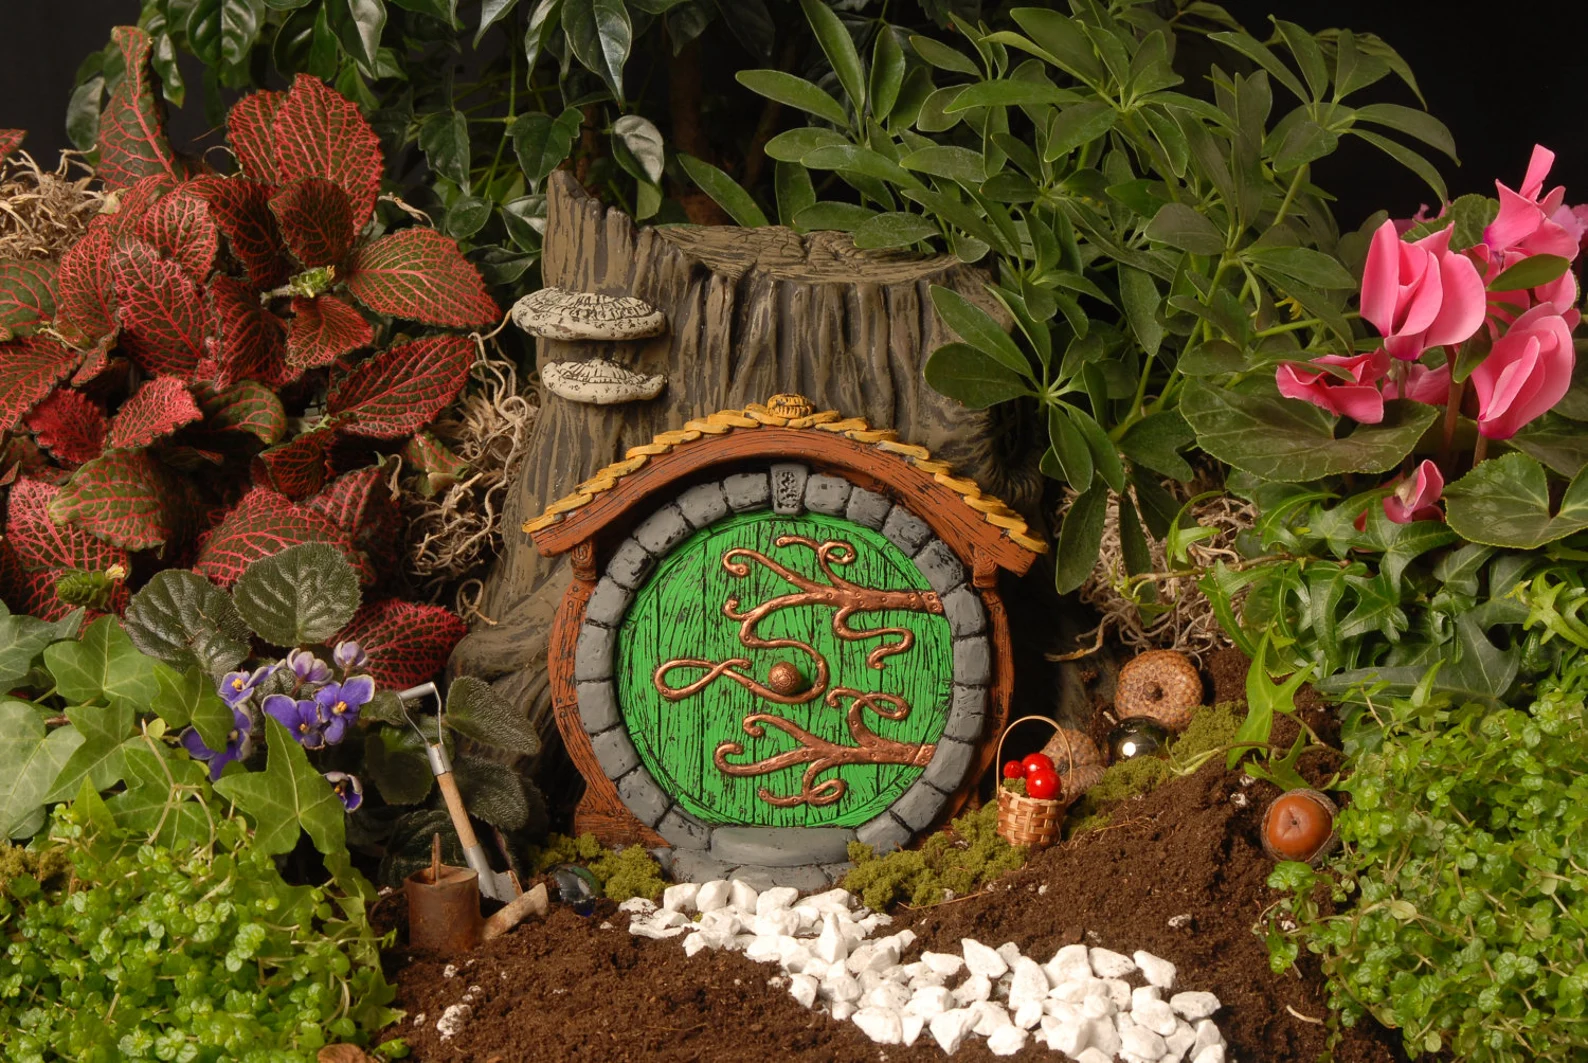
(1431, 387)
(1532, 222)
(1526, 373)
(1422, 294)
(1358, 398)
(1415, 498)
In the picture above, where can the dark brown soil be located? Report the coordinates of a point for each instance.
(567, 989)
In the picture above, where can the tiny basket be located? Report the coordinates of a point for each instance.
(1029, 821)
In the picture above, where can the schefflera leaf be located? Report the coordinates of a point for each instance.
(301, 595)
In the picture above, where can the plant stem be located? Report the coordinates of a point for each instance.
(1309, 322)
(1290, 196)
(1452, 415)
(1481, 449)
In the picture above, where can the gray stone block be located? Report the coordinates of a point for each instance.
(615, 753)
(836, 872)
(949, 764)
(592, 659)
(663, 856)
(608, 603)
(827, 494)
(598, 707)
(643, 797)
(919, 805)
(630, 565)
(747, 490)
(884, 834)
(940, 567)
(683, 830)
(662, 530)
(905, 530)
(967, 714)
(804, 877)
(781, 846)
(972, 661)
(693, 865)
(962, 607)
(867, 508)
(703, 504)
(788, 488)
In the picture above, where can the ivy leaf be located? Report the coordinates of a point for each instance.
(262, 523)
(40, 542)
(102, 664)
(475, 710)
(163, 316)
(407, 642)
(320, 133)
(180, 227)
(30, 762)
(189, 697)
(1156, 441)
(184, 620)
(402, 388)
(322, 330)
(1505, 502)
(288, 795)
(247, 407)
(156, 410)
(304, 594)
(600, 36)
(316, 221)
(132, 141)
(150, 802)
(101, 759)
(29, 370)
(420, 275)
(27, 296)
(22, 639)
(126, 498)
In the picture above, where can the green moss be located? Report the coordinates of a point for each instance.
(625, 873)
(963, 861)
(562, 849)
(25, 872)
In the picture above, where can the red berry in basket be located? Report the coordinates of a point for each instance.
(1036, 762)
(1043, 783)
(1014, 770)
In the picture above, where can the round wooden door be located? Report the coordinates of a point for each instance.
(782, 670)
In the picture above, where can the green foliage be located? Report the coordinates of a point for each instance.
(1156, 252)
(623, 873)
(1211, 732)
(962, 859)
(1465, 841)
(124, 948)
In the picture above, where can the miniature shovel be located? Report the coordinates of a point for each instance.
(496, 885)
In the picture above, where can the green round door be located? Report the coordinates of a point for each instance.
(784, 670)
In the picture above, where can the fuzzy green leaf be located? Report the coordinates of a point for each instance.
(183, 619)
(477, 711)
(304, 594)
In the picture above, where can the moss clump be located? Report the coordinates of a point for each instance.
(24, 872)
(1210, 731)
(562, 849)
(623, 873)
(962, 859)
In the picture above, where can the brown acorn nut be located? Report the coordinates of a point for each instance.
(1299, 825)
(1162, 684)
(1077, 760)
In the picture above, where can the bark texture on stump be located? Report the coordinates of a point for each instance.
(751, 313)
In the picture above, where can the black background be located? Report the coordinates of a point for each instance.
(1501, 83)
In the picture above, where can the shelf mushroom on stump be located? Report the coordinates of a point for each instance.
(558, 314)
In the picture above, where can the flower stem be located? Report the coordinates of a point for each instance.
(1481, 449)
(1452, 414)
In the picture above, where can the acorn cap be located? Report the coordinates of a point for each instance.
(559, 314)
(1162, 684)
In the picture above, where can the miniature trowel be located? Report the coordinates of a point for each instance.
(497, 885)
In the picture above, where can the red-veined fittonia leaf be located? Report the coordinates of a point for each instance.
(180, 227)
(248, 342)
(85, 293)
(249, 407)
(132, 141)
(320, 133)
(70, 425)
(402, 388)
(162, 310)
(438, 466)
(127, 498)
(128, 206)
(420, 275)
(322, 330)
(158, 409)
(263, 523)
(29, 370)
(250, 130)
(242, 210)
(40, 542)
(408, 643)
(316, 221)
(361, 504)
(10, 141)
(298, 467)
(27, 296)
(20, 456)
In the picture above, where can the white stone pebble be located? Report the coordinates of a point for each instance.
(1086, 1003)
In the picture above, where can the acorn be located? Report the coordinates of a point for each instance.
(1162, 684)
(784, 678)
(1299, 825)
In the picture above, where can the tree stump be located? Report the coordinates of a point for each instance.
(751, 313)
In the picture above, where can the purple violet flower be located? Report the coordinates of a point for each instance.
(347, 788)
(236, 687)
(339, 704)
(239, 743)
(308, 668)
(302, 718)
(349, 656)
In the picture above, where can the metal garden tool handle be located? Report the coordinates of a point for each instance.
(492, 883)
